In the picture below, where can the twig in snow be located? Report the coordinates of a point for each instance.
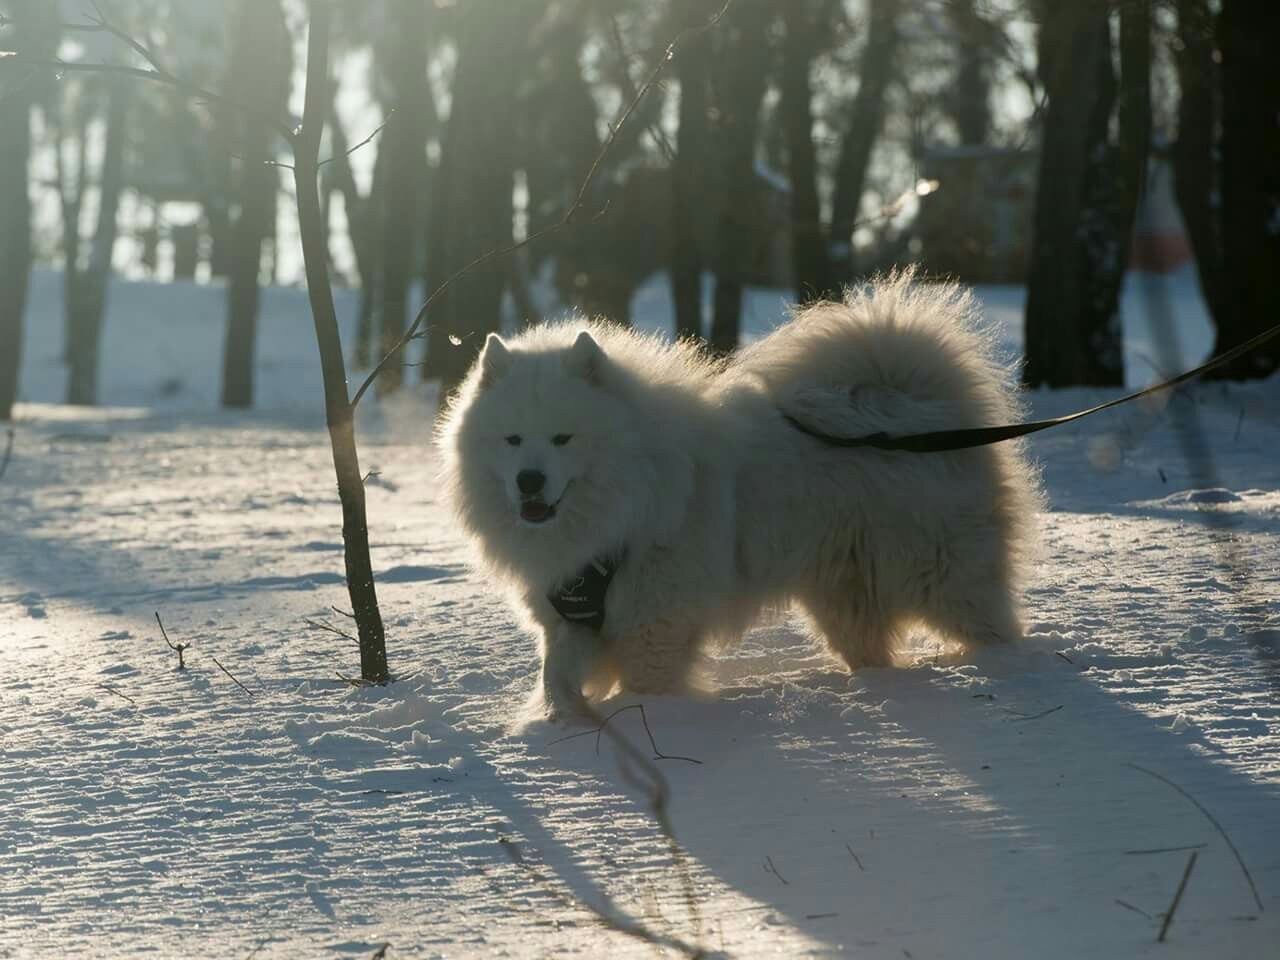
(346, 613)
(770, 868)
(599, 731)
(330, 628)
(352, 681)
(856, 859)
(1239, 423)
(1130, 906)
(1034, 716)
(819, 916)
(231, 675)
(382, 952)
(1214, 820)
(1189, 846)
(119, 693)
(8, 452)
(1059, 653)
(1177, 897)
(179, 647)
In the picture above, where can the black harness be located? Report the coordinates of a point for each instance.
(580, 599)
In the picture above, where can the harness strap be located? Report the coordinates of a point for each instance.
(940, 441)
(580, 599)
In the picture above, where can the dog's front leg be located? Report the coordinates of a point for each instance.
(571, 654)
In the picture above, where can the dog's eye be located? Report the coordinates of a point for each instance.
(560, 439)
(514, 439)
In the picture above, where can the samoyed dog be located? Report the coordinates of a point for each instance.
(644, 503)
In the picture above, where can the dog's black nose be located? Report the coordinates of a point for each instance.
(530, 481)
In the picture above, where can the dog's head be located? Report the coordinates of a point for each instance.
(565, 443)
(537, 418)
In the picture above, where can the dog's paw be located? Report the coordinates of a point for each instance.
(561, 709)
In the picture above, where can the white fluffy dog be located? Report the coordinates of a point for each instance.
(669, 495)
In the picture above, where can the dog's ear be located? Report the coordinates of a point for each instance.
(494, 359)
(585, 358)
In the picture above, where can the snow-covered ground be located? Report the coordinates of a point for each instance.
(990, 808)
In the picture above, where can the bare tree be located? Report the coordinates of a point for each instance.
(1194, 152)
(866, 119)
(743, 61)
(804, 22)
(86, 309)
(473, 208)
(969, 97)
(689, 171)
(259, 68)
(31, 33)
(404, 147)
(71, 178)
(1088, 190)
(339, 410)
(1250, 183)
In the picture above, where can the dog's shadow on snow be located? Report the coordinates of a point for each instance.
(892, 807)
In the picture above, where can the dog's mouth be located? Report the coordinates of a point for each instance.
(536, 510)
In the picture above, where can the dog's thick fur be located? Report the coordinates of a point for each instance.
(721, 511)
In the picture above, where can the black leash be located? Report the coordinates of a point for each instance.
(940, 441)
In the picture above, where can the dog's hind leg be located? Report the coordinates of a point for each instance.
(656, 658)
(861, 638)
(976, 612)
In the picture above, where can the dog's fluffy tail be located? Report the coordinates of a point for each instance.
(898, 356)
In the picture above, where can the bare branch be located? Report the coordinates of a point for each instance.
(176, 647)
(1177, 897)
(1212, 819)
(159, 76)
(599, 730)
(770, 868)
(570, 215)
(330, 628)
(119, 693)
(366, 141)
(101, 24)
(231, 675)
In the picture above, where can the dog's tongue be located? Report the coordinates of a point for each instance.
(535, 511)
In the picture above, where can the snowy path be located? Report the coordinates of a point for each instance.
(978, 809)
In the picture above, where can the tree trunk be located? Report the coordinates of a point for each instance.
(473, 202)
(15, 237)
(1194, 164)
(89, 293)
(969, 101)
(865, 123)
(808, 236)
(746, 49)
(1126, 179)
(1247, 30)
(339, 413)
(70, 203)
(362, 228)
(404, 142)
(1084, 201)
(259, 70)
(688, 175)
